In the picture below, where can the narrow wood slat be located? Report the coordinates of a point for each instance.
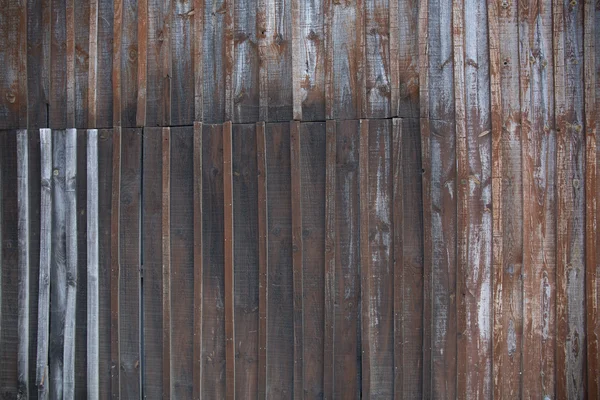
(330, 260)
(404, 58)
(198, 261)
(297, 250)
(198, 61)
(142, 52)
(92, 100)
(23, 262)
(229, 264)
(365, 256)
(116, 62)
(328, 35)
(71, 261)
(263, 48)
(229, 58)
(591, 200)
(425, 133)
(398, 255)
(166, 261)
(377, 82)
(104, 84)
(70, 49)
(43, 339)
(297, 66)
(92, 267)
(361, 62)
(115, 265)
(261, 165)
(182, 63)
(37, 42)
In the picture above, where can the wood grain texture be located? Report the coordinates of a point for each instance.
(280, 322)
(570, 198)
(330, 229)
(125, 63)
(43, 339)
(198, 261)
(58, 66)
(312, 180)
(378, 83)
(213, 291)
(81, 63)
(228, 246)
(93, 277)
(152, 261)
(348, 355)
(104, 83)
(245, 261)
(182, 262)
(9, 277)
(115, 264)
(213, 61)
(23, 236)
(182, 63)
(404, 58)
(38, 60)
(167, 391)
(538, 175)
(263, 259)
(198, 60)
(142, 72)
(229, 56)
(297, 259)
(69, 19)
(591, 200)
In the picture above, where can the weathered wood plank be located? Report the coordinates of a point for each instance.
(246, 62)
(129, 258)
(347, 367)
(182, 66)
(214, 47)
(104, 84)
(297, 258)
(70, 184)
(230, 352)
(70, 61)
(9, 275)
(81, 64)
(229, 56)
(365, 255)
(152, 261)
(13, 76)
(57, 60)
(92, 92)
(330, 237)
(93, 301)
(58, 272)
(198, 60)
(507, 198)
(38, 63)
(312, 180)
(142, 67)
(329, 58)
(213, 313)
(117, 99)
(591, 199)
(408, 258)
(182, 262)
(43, 339)
(263, 258)
(105, 178)
(23, 263)
(158, 64)
(569, 96)
(125, 63)
(115, 264)
(280, 328)
(198, 260)
(167, 391)
(539, 228)
(246, 261)
(377, 59)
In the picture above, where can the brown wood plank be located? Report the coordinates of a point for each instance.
(230, 352)
(115, 264)
(377, 59)
(312, 180)
(246, 261)
(213, 313)
(129, 258)
(92, 92)
(365, 255)
(472, 99)
(116, 62)
(297, 258)
(263, 260)
(167, 391)
(591, 273)
(245, 85)
(182, 263)
(69, 18)
(142, 73)
(158, 85)
(198, 60)
(214, 60)
(81, 63)
(539, 229)
(129, 63)
(275, 25)
(507, 198)
(280, 328)
(198, 261)
(570, 212)
(9, 335)
(57, 106)
(330, 236)
(229, 56)
(38, 50)
(347, 344)
(182, 66)
(262, 43)
(329, 57)
(152, 259)
(105, 178)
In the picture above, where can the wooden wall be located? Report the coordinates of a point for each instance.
(307, 199)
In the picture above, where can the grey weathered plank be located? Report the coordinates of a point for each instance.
(38, 62)
(213, 62)
(167, 390)
(92, 84)
(92, 267)
(43, 339)
(378, 84)
(23, 262)
(182, 63)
